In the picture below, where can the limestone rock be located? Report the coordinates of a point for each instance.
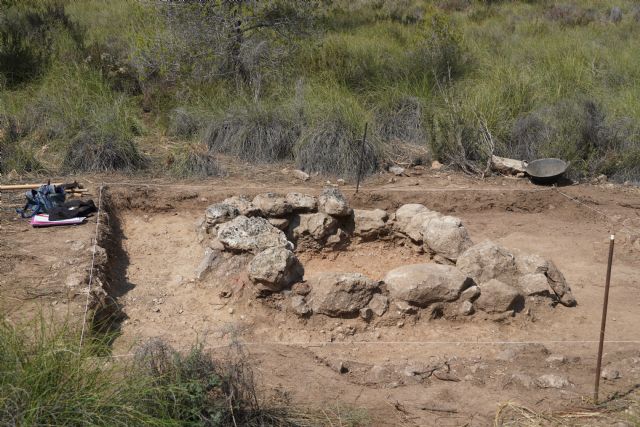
(302, 203)
(243, 204)
(470, 294)
(466, 308)
(552, 381)
(300, 306)
(396, 170)
(446, 236)
(424, 284)
(340, 294)
(498, 297)
(272, 205)
(254, 234)
(301, 175)
(369, 223)
(333, 202)
(279, 223)
(275, 268)
(312, 229)
(486, 261)
(534, 264)
(379, 304)
(219, 213)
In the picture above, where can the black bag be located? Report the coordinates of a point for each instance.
(72, 209)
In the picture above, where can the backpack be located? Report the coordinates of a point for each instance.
(42, 200)
(72, 209)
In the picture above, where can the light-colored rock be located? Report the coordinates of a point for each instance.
(242, 204)
(272, 205)
(436, 165)
(341, 182)
(312, 229)
(610, 373)
(405, 213)
(75, 280)
(534, 284)
(301, 175)
(254, 234)
(522, 380)
(340, 294)
(466, 308)
(333, 202)
(424, 284)
(337, 239)
(552, 381)
(300, 306)
(370, 223)
(396, 170)
(219, 213)
(535, 264)
(498, 297)
(379, 304)
(302, 203)
(470, 294)
(275, 269)
(366, 313)
(205, 264)
(507, 166)
(279, 223)
(486, 261)
(446, 236)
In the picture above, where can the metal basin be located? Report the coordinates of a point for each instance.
(546, 171)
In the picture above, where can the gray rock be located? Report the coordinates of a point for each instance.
(610, 373)
(522, 380)
(275, 269)
(470, 294)
(556, 359)
(415, 227)
(446, 236)
(243, 205)
(396, 170)
(311, 230)
(486, 261)
(527, 264)
(219, 213)
(254, 234)
(205, 264)
(406, 213)
(75, 280)
(424, 284)
(466, 308)
(340, 294)
(534, 284)
(302, 203)
(279, 223)
(498, 297)
(337, 239)
(552, 381)
(333, 202)
(301, 175)
(366, 313)
(300, 306)
(272, 205)
(379, 304)
(369, 224)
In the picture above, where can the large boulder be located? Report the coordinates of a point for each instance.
(219, 213)
(534, 267)
(243, 205)
(498, 297)
(333, 202)
(405, 213)
(272, 205)
(312, 229)
(275, 268)
(446, 236)
(369, 223)
(340, 294)
(302, 203)
(254, 235)
(486, 261)
(410, 220)
(424, 284)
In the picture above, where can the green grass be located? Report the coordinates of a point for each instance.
(297, 75)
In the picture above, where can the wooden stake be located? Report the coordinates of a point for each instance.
(23, 186)
(364, 138)
(603, 324)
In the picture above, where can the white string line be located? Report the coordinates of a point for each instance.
(610, 218)
(93, 260)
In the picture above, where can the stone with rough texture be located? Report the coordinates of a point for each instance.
(466, 308)
(205, 264)
(243, 204)
(486, 261)
(498, 297)
(301, 175)
(302, 203)
(369, 223)
(279, 223)
(379, 304)
(414, 229)
(333, 202)
(275, 269)
(219, 213)
(424, 284)
(446, 236)
(272, 205)
(610, 373)
(254, 234)
(312, 229)
(340, 294)
(470, 294)
(396, 170)
(552, 381)
(300, 306)
(409, 218)
(534, 284)
(527, 264)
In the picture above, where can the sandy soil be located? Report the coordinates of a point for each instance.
(403, 370)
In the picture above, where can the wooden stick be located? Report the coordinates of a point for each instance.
(605, 304)
(23, 186)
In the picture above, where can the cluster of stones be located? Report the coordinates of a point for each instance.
(465, 277)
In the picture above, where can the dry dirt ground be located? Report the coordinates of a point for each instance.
(404, 370)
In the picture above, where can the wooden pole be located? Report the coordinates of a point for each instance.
(23, 186)
(364, 138)
(603, 323)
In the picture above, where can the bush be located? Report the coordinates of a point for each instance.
(97, 150)
(183, 123)
(194, 160)
(401, 120)
(16, 156)
(254, 133)
(571, 14)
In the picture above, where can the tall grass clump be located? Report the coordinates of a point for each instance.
(194, 160)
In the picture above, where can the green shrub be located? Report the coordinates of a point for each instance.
(194, 160)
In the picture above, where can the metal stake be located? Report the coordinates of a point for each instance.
(604, 318)
(364, 138)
